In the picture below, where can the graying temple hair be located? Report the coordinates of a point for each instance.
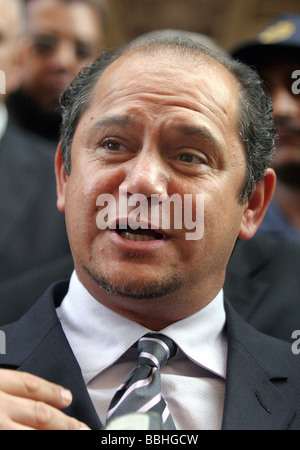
(256, 126)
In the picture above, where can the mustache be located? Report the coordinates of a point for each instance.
(287, 125)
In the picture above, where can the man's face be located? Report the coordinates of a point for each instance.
(62, 39)
(8, 41)
(163, 125)
(279, 81)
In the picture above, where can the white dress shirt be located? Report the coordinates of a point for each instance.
(193, 381)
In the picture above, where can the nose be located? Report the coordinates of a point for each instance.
(64, 58)
(147, 174)
(285, 103)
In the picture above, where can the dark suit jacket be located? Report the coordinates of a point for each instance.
(262, 387)
(34, 249)
(263, 284)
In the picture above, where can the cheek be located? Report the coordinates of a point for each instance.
(37, 67)
(222, 216)
(82, 191)
(80, 207)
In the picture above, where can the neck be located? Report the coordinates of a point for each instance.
(288, 200)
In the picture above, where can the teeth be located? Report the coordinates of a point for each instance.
(135, 237)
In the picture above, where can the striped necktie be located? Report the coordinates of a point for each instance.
(141, 390)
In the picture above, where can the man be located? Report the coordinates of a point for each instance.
(275, 54)
(34, 249)
(60, 38)
(150, 122)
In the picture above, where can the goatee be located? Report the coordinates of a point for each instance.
(128, 287)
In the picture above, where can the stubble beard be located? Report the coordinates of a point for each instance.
(127, 286)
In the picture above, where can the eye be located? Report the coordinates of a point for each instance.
(84, 51)
(44, 43)
(189, 158)
(111, 146)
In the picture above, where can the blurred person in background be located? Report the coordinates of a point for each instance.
(10, 24)
(34, 248)
(60, 37)
(263, 274)
(275, 53)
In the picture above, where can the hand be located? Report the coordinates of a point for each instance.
(32, 403)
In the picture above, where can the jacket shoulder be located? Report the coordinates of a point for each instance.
(25, 335)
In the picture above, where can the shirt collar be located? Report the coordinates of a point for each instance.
(90, 328)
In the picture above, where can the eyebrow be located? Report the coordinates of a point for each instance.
(122, 121)
(200, 132)
(113, 120)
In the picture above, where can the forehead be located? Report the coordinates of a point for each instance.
(9, 16)
(168, 78)
(63, 18)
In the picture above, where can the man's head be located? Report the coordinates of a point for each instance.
(61, 36)
(276, 55)
(255, 126)
(167, 118)
(10, 26)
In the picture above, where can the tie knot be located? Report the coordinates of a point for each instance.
(156, 349)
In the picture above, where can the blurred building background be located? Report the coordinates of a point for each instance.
(227, 21)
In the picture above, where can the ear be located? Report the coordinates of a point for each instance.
(257, 206)
(61, 179)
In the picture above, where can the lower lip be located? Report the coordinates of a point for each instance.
(136, 246)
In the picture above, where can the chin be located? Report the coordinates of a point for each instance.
(137, 287)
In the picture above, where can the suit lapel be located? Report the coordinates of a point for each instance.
(39, 333)
(62, 368)
(252, 400)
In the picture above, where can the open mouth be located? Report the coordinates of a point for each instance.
(139, 234)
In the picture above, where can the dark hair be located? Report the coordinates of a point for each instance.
(256, 126)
